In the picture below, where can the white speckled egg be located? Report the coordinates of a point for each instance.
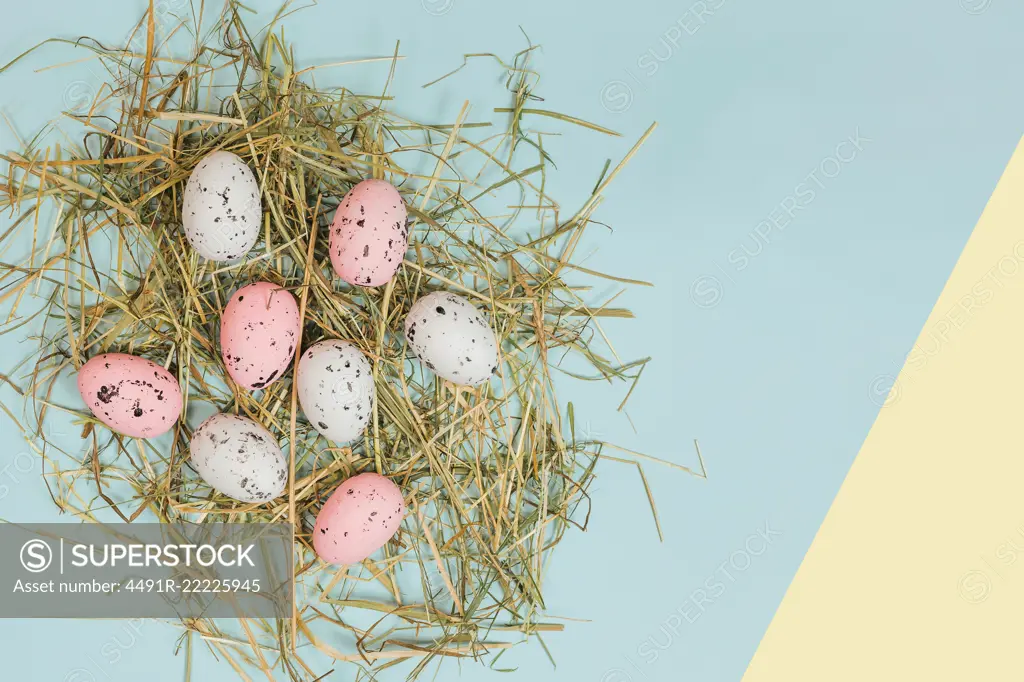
(258, 334)
(369, 235)
(239, 458)
(452, 337)
(221, 212)
(359, 517)
(336, 391)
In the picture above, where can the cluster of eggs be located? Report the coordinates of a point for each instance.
(259, 333)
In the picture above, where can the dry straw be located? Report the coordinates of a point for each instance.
(493, 476)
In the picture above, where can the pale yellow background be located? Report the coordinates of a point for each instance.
(916, 573)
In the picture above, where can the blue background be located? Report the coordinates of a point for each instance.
(778, 367)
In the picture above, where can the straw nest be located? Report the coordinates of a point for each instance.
(493, 476)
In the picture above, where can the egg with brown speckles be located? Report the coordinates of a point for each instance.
(370, 234)
(452, 338)
(335, 388)
(359, 518)
(221, 210)
(131, 395)
(259, 331)
(239, 458)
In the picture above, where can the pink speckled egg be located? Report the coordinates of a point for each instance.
(130, 394)
(358, 519)
(258, 334)
(369, 235)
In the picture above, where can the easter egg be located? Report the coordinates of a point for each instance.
(221, 211)
(369, 235)
(131, 395)
(239, 458)
(258, 334)
(453, 338)
(335, 388)
(359, 518)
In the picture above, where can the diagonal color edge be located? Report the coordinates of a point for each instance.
(917, 572)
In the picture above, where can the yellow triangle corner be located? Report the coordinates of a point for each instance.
(917, 572)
